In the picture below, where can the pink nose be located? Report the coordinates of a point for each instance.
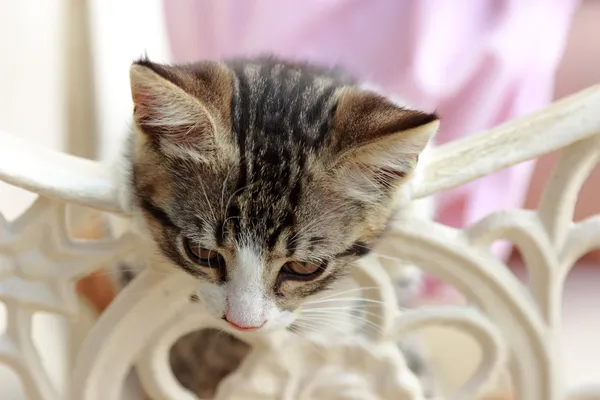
(242, 328)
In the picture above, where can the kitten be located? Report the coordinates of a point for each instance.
(265, 180)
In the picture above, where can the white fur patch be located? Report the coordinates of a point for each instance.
(246, 297)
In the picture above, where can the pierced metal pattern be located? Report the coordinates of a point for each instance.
(40, 265)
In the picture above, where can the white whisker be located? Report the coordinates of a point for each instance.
(341, 325)
(347, 291)
(335, 317)
(329, 324)
(350, 311)
(362, 299)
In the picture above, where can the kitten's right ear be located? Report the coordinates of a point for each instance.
(173, 108)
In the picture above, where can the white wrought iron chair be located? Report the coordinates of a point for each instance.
(517, 325)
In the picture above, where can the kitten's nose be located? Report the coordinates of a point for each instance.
(241, 328)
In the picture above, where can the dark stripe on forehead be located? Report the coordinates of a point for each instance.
(294, 201)
(220, 233)
(315, 110)
(321, 114)
(280, 111)
(232, 219)
(240, 122)
(297, 127)
(266, 100)
(287, 222)
(295, 193)
(278, 99)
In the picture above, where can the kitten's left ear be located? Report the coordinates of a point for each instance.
(181, 108)
(377, 140)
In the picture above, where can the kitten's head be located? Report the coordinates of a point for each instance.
(266, 179)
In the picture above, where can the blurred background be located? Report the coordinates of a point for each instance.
(64, 85)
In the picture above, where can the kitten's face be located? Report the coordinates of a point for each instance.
(266, 180)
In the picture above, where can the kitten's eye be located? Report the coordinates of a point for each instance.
(205, 257)
(302, 270)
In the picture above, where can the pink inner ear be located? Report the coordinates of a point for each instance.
(140, 101)
(139, 97)
(144, 105)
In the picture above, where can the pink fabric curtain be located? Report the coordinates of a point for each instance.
(477, 62)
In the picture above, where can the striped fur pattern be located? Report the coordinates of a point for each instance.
(266, 162)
